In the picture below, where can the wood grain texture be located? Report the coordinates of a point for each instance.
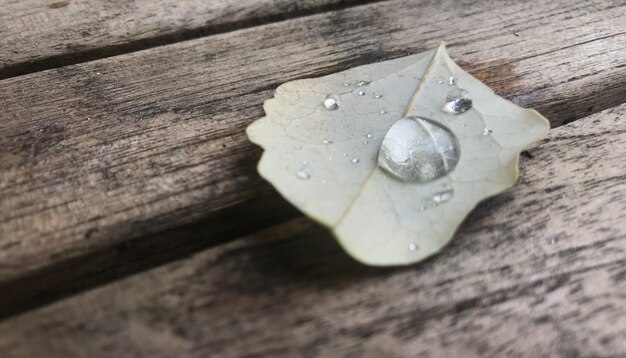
(539, 271)
(147, 150)
(43, 34)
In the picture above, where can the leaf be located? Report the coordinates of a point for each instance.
(325, 161)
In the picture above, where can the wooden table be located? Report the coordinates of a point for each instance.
(133, 222)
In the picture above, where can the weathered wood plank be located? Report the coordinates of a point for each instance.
(43, 34)
(107, 154)
(536, 272)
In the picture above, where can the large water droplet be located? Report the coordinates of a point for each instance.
(458, 101)
(330, 103)
(303, 174)
(418, 150)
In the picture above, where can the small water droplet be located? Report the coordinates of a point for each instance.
(378, 95)
(452, 80)
(366, 141)
(327, 141)
(330, 104)
(440, 81)
(347, 84)
(412, 247)
(369, 135)
(345, 155)
(361, 93)
(383, 111)
(355, 160)
(442, 196)
(458, 101)
(303, 174)
(363, 83)
(305, 163)
(487, 131)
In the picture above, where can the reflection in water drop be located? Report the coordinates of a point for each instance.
(303, 174)
(418, 150)
(458, 101)
(330, 103)
(443, 196)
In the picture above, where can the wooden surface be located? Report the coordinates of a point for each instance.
(130, 153)
(43, 34)
(536, 271)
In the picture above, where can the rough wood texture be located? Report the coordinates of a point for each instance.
(42, 34)
(536, 272)
(120, 153)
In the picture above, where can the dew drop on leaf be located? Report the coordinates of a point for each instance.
(442, 196)
(418, 150)
(458, 101)
(330, 104)
(303, 174)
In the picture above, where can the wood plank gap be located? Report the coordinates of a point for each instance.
(91, 54)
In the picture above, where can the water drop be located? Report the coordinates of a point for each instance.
(355, 160)
(452, 80)
(347, 84)
(442, 196)
(305, 163)
(303, 174)
(330, 104)
(378, 95)
(369, 135)
(440, 81)
(487, 131)
(363, 83)
(412, 247)
(383, 111)
(345, 155)
(366, 141)
(458, 101)
(361, 93)
(327, 141)
(417, 149)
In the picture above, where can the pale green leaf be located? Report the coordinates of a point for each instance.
(325, 161)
